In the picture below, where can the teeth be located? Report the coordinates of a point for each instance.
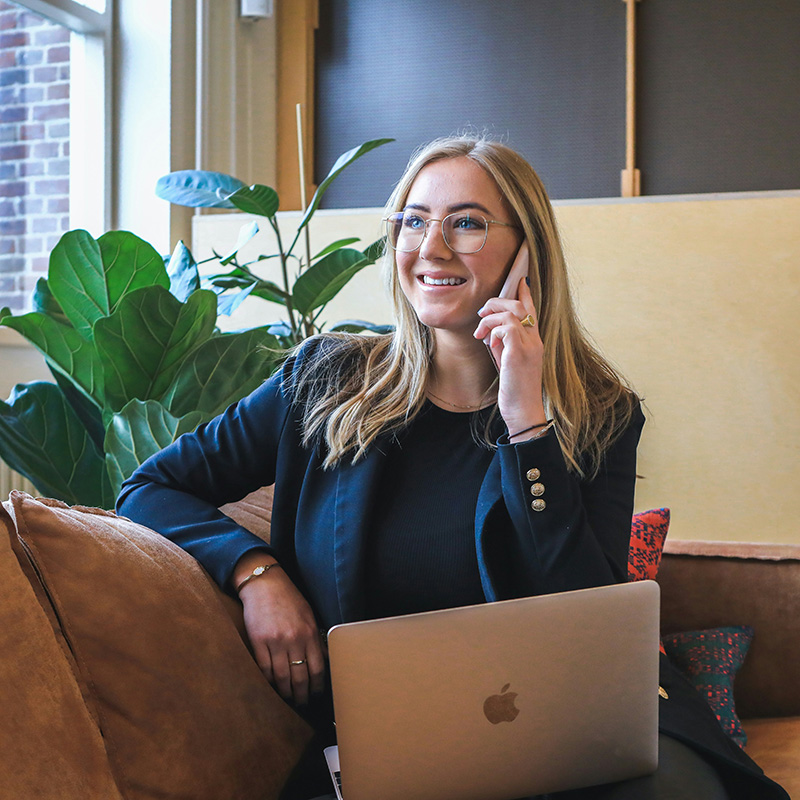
(442, 281)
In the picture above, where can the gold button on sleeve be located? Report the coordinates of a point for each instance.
(533, 474)
(537, 490)
(538, 504)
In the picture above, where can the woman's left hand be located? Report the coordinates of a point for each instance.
(518, 352)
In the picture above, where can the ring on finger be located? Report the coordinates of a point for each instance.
(297, 663)
(528, 322)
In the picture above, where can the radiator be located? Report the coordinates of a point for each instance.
(13, 480)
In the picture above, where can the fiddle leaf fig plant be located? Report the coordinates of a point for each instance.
(137, 359)
(305, 283)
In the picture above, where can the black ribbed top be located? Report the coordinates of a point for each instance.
(421, 550)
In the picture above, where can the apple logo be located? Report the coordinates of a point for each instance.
(500, 707)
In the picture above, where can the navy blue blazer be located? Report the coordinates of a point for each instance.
(321, 518)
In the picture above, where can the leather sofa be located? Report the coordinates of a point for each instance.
(710, 584)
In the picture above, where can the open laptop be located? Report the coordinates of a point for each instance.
(500, 700)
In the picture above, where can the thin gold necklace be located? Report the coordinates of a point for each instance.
(455, 405)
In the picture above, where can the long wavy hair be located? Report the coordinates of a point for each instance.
(370, 385)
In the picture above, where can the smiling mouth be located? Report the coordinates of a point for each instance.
(442, 281)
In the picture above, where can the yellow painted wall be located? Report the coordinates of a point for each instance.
(697, 301)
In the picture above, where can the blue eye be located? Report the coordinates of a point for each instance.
(413, 221)
(468, 223)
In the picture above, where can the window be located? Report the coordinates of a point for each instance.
(53, 107)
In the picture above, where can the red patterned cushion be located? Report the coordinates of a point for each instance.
(710, 659)
(648, 533)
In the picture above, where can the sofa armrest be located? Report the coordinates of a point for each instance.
(708, 584)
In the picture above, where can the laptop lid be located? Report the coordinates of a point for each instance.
(499, 700)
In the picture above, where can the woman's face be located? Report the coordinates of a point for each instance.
(446, 288)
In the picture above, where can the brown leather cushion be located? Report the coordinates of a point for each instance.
(182, 707)
(774, 744)
(253, 512)
(50, 745)
(714, 584)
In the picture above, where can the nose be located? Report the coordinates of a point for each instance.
(433, 245)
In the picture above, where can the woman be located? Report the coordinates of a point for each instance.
(391, 495)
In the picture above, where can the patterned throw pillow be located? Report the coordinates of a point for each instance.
(710, 659)
(648, 534)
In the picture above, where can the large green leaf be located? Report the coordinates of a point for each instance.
(88, 278)
(198, 188)
(182, 271)
(139, 431)
(246, 233)
(42, 438)
(256, 199)
(339, 243)
(44, 301)
(320, 283)
(142, 344)
(65, 350)
(342, 162)
(221, 371)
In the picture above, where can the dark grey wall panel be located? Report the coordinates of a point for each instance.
(547, 76)
(719, 95)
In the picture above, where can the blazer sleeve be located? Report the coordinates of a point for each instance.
(580, 535)
(177, 491)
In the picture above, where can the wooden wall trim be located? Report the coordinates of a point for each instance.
(296, 21)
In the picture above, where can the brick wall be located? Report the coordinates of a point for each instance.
(34, 148)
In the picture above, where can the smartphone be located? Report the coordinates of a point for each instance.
(518, 271)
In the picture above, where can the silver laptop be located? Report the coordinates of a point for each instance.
(498, 701)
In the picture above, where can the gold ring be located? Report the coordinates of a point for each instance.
(528, 322)
(297, 663)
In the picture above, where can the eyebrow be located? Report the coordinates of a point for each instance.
(451, 209)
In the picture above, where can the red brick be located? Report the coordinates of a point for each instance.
(40, 264)
(34, 131)
(8, 172)
(55, 111)
(7, 59)
(31, 94)
(65, 149)
(58, 205)
(11, 77)
(12, 264)
(13, 189)
(28, 168)
(58, 55)
(14, 152)
(7, 209)
(63, 72)
(58, 166)
(30, 57)
(44, 225)
(8, 18)
(12, 227)
(54, 35)
(7, 246)
(58, 130)
(55, 186)
(31, 244)
(31, 205)
(45, 74)
(15, 39)
(45, 150)
(9, 133)
(58, 91)
(13, 114)
(65, 226)
(7, 284)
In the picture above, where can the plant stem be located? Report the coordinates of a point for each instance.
(288, 302)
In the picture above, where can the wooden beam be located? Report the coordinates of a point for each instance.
(296, 20)
(631, 177)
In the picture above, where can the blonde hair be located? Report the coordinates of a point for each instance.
(376, 384)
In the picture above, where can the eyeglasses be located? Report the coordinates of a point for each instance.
(462, 232)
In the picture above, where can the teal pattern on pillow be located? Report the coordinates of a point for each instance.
(710, 659)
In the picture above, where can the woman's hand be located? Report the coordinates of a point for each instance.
(518, 352)
(281, 627)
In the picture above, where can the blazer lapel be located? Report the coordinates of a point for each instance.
(356, 488)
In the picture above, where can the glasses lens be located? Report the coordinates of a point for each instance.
(405, 231)
(464, 232)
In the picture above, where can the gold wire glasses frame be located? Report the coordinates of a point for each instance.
(462, 232)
